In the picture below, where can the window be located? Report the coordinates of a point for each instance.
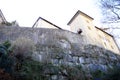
(87, 21)
(89, 27)
(105, 40)
(108, 40)
(112, 47)
(79, 31)
(100, 36)
(104, 43)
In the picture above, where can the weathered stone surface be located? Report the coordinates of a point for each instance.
(37, 56)
(81, 60)
(62, 47)
(54, 77)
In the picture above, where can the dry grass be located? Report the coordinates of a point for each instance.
(23, 46)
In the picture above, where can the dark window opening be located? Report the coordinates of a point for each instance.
(79, 31)
(112, 47)
(89, 28)
(105, 44)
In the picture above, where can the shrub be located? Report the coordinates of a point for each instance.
(97, 74)
(3, 50)
(5, 76)
(33, 70)
(113, 73)
(7, 44)
(7, 23)
(6, 60)
(23, 47)
(72, 72)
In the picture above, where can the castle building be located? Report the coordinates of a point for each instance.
(82, 24)
(92, 34)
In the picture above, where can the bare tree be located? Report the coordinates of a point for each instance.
(110, 9)
(111, 17)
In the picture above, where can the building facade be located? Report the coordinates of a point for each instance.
(91, 34)
(82, 24)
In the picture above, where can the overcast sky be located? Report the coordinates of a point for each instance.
(58, 12)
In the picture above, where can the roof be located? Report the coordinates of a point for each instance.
(103, 31)
(77, 13)
(2, 16)
(45, 21)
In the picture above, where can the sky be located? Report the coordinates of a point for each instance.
(58, 12)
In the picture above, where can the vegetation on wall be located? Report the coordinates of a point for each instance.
(23, 47)
(16, 65)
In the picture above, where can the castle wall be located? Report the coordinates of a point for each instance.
(38, 35)
(71, 46)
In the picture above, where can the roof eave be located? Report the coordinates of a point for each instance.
(76, 14)
(46, 21)
(103, 31)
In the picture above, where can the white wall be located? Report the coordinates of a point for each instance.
(91, 34)
(43, 24)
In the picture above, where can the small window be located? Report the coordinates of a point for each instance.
(100, 36)
(112, 47)
(87, 21)
(104, 43)
(105, 40)
(108, 40)
(89, 27)
(79, 31)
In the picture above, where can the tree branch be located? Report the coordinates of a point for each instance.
(111, 28)
(117, 7)
(115, 13)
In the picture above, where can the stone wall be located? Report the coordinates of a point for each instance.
(12, 33)
(62, 47)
